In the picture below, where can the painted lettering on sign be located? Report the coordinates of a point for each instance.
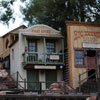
(89, 36)
(41, 31)
(89, 39)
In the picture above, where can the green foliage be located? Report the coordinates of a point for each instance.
(53, 12)
(56, 12)
(6, 11)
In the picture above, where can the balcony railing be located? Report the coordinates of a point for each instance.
(47, 58)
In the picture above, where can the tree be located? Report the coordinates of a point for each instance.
(56, 12)
(53, 12)
(6, 11)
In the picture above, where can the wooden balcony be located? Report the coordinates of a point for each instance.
(43, 59)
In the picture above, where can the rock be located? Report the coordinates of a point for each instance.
(10, 82)
(60, 86)
(2, 93)
(54, 85)
(1, 66)
(91, 98)
(3, 73)
(69, 89)
(3, 86)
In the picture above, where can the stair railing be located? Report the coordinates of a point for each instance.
(22, 80)
(82, 80)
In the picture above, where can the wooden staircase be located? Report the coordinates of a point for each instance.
(88, 85)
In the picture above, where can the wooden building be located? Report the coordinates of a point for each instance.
(38, 56)
(5, 42)
(83, 41)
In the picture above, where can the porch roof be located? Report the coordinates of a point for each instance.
(43, 35)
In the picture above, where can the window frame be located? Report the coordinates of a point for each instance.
(32, 41)
(50, 41)
(79, 65)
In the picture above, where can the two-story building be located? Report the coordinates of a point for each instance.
(38, 56)
(83, 39)
(5, 41)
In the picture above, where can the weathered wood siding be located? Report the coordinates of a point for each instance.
(77, 34)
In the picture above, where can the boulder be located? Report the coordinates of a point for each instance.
(2, 93)
(10, 82)
(3, 86)
(3, 73)
(91, 98)
(54, 85)
(60, 86)
(1, 66)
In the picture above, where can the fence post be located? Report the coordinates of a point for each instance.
(40, 87)
(79, 83)
(17, 79)
(64, 87)
(24, 83)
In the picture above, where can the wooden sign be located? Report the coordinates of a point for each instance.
(54, 57)
(91, 45)
(41, 31)
(88, 36)
(44, 67)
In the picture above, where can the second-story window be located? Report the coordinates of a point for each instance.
(32, 46)
(50, 47)
(7, 42)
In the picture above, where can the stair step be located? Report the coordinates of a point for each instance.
(90, 86)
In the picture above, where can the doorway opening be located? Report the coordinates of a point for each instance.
(91, 53)
(91, 74)
(91, 63)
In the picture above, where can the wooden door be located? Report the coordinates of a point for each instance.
(32, 79)
(91, 65)
(91, 62)
(51, 76)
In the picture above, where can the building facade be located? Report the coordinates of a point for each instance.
(38, 56)
(83, 41)
(5, 42)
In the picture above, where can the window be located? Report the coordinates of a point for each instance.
(7, 42)
(79, 57)
(32, 46)
(13, 54)
(50, 47)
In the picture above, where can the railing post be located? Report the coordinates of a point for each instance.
(17, 79)
(63, 49)
(44, 49)
(24, 83)
(79, 83)
(40, 87)
(64, 87)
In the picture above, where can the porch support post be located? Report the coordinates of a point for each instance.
(25, 42)
(63, 49)
(44, 49)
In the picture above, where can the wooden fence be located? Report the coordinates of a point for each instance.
(43, 97)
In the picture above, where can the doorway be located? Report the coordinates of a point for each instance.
(32, 79)
(91, 63)
(91, 72)
(51, 77)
